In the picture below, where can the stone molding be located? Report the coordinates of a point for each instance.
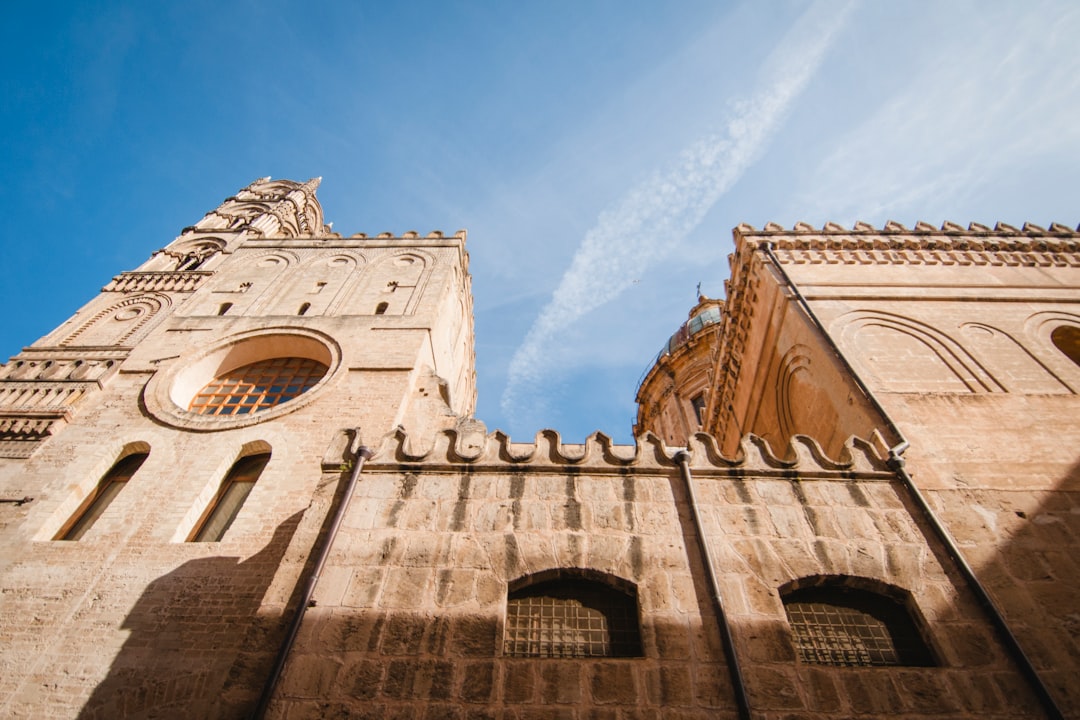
(183, 281)
(894, 244)
(29, 426)
(23, 431)
(21, 395)
(476, 450)
(60, 365)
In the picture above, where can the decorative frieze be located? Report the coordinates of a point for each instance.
(16, 395)
(23, 431)
(184, 282)
(894, 244)
(40, 364)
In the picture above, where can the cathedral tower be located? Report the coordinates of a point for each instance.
(173, 435)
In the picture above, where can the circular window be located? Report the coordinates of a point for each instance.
(257, 386)
(247, 379)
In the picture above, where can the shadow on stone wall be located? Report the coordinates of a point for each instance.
(198, 646)
(370, 665)
(1034, 577)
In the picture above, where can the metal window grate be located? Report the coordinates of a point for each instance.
(571, 619)
(257, 386)
(845, 627)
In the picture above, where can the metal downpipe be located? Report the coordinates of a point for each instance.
(896, 464)
(683, 458)
(362, 453)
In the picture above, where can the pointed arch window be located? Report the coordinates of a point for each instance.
(833, 624)
(570, 615)
(106, 491)
(230, 497)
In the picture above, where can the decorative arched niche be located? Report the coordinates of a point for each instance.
(243, 283)
(120, 323)
(185, 255)
(901, 354)
(392, 285)
(243, 380)
(319, 284)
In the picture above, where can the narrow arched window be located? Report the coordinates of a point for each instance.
(1066, 338)
(303, 309)
(834, 624)
(381, 308)
(571, 616)
(698, 403)
(225, 307)
(230, 498)
(106, 491)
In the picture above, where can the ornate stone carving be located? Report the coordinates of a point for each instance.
(280, 208)
(895, 244)
(184, 282)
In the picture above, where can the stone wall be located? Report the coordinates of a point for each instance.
(410, 614)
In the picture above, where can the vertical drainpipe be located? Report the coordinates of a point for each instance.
(362, 454)
(683, 458)
(896, 464)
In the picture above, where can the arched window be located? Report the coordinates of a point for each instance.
(833, 624)
(258, 386)
(698, 403)
(224, 308)
(565, 614)
(381, 308)
(106, 491)
(230, 498)
(303, 309)
(1066, 338)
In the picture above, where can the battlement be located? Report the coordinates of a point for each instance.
(474, 448)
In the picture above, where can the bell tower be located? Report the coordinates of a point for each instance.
(181, 438)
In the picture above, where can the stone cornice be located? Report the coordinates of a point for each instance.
(30, 425)
(475, 450)
(894, 244)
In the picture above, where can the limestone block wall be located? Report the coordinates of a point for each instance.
(130, 620)
(411, 611)
(952, 329)
(772, 533)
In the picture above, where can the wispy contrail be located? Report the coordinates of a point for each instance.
(652, 217)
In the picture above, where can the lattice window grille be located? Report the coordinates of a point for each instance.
(258, 386)
(562, 623)
(857, 629)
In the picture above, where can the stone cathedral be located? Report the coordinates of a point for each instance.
(245, 481)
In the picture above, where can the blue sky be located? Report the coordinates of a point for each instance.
(598, 153)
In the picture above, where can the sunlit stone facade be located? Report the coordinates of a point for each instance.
(855, 480)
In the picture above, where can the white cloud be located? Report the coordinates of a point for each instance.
(983, 104)
(651, 218)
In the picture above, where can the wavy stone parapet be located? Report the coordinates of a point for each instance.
(474, 448)
(188, 281)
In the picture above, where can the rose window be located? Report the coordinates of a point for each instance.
(257, 386)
